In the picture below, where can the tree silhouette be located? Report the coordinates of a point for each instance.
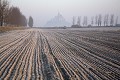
(105, 17)
(30, 23)
(92, 21)
(73, 21)
(79, 21)
(106, 20)
(23, 20)
(96, 20)
(116, 22)
(99, 20)
(15, 17)
(4, 10)
(85, 21)
(112, 20)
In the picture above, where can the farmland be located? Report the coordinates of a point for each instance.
(43, 54)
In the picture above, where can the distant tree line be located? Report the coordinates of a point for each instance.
(98, 20)
(15, 17)
(11, 15)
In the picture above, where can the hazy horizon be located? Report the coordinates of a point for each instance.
(43, 10)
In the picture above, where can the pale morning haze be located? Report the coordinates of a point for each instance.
(59, 39)
(43, 10)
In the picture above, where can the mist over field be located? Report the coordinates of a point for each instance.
(59, 40)
(45, 10)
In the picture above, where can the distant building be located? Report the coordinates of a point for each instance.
(57, 21)
(76, 26)
(117, 25)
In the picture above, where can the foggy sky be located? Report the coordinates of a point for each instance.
(44, 10)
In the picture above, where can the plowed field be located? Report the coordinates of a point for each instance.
(36, 54)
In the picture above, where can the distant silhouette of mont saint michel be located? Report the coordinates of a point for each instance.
(57, 21)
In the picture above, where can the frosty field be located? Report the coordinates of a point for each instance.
(63, 54)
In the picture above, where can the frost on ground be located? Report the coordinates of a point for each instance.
(60, 55)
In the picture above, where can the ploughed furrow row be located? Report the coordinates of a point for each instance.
(112, 69)
(12, 60)
(93, 37)
(107, 62)
(72, 74)
(12, 45)
(8, 39)
(101, 50)
(57, 70)
(110, 40)
(7, 52)
(36, 69)
(44, 54)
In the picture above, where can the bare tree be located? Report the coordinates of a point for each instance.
(105, 20)
(79, 21)
(116, 22)
(73, 20)
(92, 21)
(85, 21)
(11, 15)
(15, 17)
(23, 20)
(99, 20)
(96, 20)
(4, 9)
(112, 20)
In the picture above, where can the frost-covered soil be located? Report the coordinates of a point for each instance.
(36, 54)
(97, 29)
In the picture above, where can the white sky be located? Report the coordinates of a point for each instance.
(44, 10)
